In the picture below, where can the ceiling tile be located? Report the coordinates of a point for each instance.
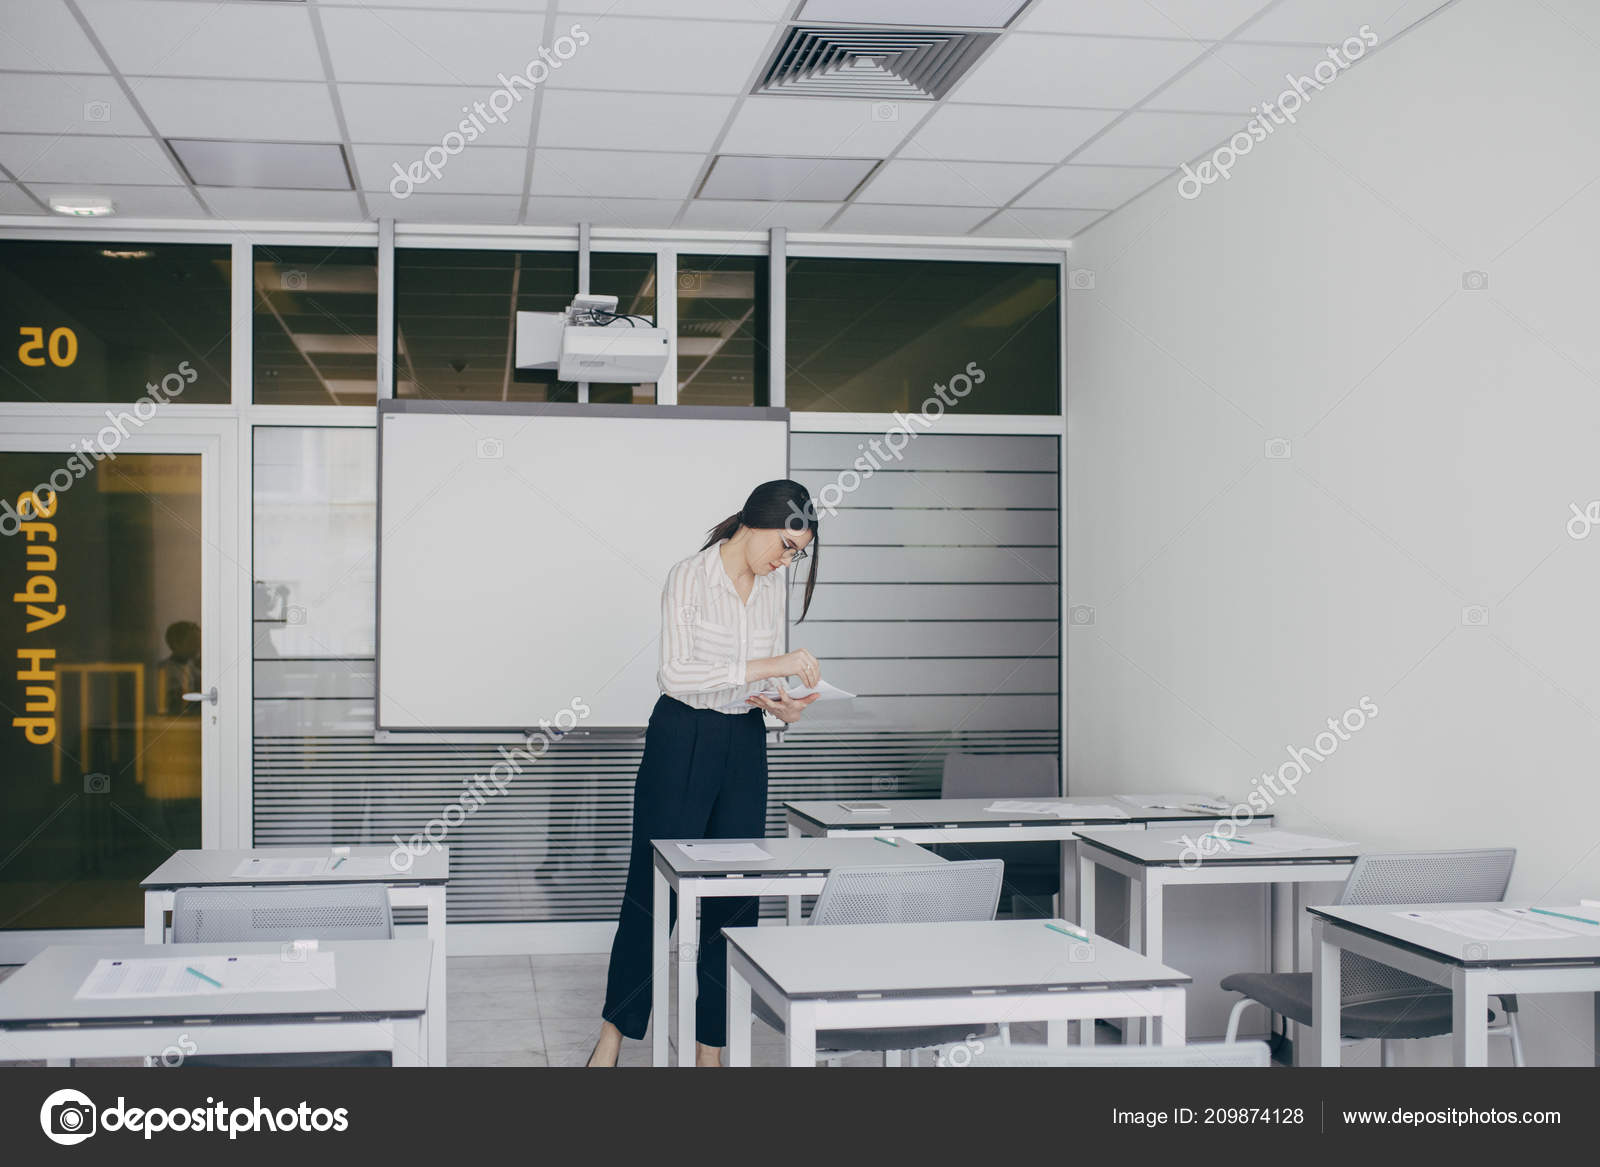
(1006, 133)
(426, 113)
(608, 173)
(890, 220)
(672, 56)
(318, 205)
(912, 13)
(1023, 223)
(42, 103)
(755, 10)
(45, 158)
(1093, 186)
(557, 211)
(13, 201)
(43, 35)
(446, 208)
(961, 184)
(1198, 19)
(1160, 139)
(483, 170)
(819, 127)
(155, 202)
(739, 215)
(621, 121)
(284, 111)
(445, 48)
(760, 178)
(254, 165)
(1068, 70)
(172, 38)
(1237, 78)
(1328, 22)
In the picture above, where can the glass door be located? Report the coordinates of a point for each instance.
(110, 699)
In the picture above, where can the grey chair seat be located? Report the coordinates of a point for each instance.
(1404, 1015)
(876, 1040)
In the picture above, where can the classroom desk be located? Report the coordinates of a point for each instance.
(854, 976)
(423, 885)
(798, 867)
(1150, 861)
(964, 820)
(379, 1002)
(1471, 969)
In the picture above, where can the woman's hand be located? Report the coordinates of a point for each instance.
(785, 708)
(802, 664)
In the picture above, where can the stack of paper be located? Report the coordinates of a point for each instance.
(287, 867)
(723, 852)
(207, 976)
(1269, 842)
(1200, 802)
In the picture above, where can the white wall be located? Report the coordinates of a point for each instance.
(1437, 436)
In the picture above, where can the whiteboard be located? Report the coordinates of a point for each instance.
(523, 548)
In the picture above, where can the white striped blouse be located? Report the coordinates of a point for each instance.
(708, 634)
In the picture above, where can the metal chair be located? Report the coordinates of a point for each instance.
(1201, 1055)
(1033, 870)
(934, 893)
(340, 911)
(1379, 1001)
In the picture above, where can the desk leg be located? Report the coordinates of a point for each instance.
(155, 911)
(1469, 1022)
(1326, 994)
(738, 1015)
(438, 1052)
(688, 968)
(1066, 865)
(1057, 1034)
(660, 969)
(1085, 894)
(791, 904)
(1172, 1019)
(410, 1039)
(802, 1034)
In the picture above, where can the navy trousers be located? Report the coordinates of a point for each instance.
(703, 776)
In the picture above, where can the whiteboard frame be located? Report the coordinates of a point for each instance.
(411, 405)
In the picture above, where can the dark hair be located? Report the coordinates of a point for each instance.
(781, 503)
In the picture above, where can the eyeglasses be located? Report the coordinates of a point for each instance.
(789, 551)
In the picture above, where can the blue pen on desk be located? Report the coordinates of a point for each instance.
(1235, 839)
(1074, 935)
(881, 839)
(337, 862)
(1564, 916)
(203, 976)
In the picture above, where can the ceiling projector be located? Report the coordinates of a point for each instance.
(592, 341)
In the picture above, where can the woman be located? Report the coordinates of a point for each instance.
(704, 771)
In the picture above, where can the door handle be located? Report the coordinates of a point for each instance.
(210, 696)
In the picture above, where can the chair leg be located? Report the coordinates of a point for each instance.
(1233, 1017)
(1516, 1041)
(1385, 1052)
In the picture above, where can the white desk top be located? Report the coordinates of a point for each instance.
(211, 868)
(920, 959)
(387, 978)
(1164, 847)
(813, 856)
(1432, 940)
(969, 812)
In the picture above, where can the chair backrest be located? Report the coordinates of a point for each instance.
(333, 911)
(935, 893)
(1001, 776)
(1208, 1055)
(1417, 877)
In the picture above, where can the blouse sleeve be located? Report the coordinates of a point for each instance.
(686, 668)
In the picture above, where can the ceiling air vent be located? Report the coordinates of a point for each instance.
(879, 64)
